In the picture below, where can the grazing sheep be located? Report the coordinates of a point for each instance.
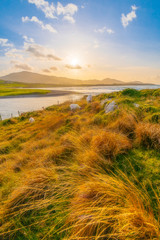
(74, 107)
(136, 105)
(110, 107)
(31, 120)
(89, 98)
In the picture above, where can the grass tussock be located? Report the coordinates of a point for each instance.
(83, 174)
(36, 187)
(110, 144)
(148, 135)
(125, 123)
(107, 208)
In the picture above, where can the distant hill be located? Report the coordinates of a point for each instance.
(35, 78)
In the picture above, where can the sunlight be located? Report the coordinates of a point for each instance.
(74, 62)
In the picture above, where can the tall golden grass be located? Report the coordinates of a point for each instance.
(57, 178)
(105, 207)
(148, 135)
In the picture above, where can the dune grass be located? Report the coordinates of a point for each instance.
(15, 89)
(83, 174)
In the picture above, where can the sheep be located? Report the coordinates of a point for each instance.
(89, 98)
(74, 107)
(136, 105)
(31, 120)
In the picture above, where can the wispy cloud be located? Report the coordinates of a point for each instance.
(126, 19)
(54, 68)
(69, 19)
(41, 52)
(104, 30)
(4, 43)
(49, 70)
(40, 23)
(70, 9)
(14, 53)
(47, 8)
(52, 11)
(67, 11)
(28, 40)
(22, 66)
(96, 44)
(46, 70)
(69, 66)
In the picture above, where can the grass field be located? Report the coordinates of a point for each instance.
(83, 174)
(14, 89)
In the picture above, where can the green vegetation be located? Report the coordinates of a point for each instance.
(83, 174)
(15, 89)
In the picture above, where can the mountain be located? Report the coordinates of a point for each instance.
(35, 78)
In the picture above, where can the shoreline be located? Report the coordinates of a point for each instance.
(53, 93)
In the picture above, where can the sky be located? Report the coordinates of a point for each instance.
(81, 39)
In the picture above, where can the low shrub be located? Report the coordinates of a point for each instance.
(9, 121)
(131, 92)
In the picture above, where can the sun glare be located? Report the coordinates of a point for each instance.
(74, 62)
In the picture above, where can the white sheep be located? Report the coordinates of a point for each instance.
(136, 105)
(74, 107)
(31, 120)
(89, 98)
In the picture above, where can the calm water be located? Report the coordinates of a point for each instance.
(11, 106)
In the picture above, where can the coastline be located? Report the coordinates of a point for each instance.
(52, 93)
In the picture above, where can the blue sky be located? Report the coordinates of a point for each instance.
(81, 39)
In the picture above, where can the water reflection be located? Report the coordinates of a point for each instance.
(11, 106)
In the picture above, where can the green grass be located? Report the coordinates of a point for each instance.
(83, 174)
(14, 89)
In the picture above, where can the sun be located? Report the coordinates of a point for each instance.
(74, 62)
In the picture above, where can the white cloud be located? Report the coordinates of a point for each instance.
(22, 66)
(68, 11)
(53, 68)
(4, 43)
(134, 8)
(49, 70)
(27, 39)
(110, 31)
(69, 19)
(129, 17)
(48, 9)
(40, 23)
(14, 53)
(41, 52)
(104, 29)
(46, 70)
(51, 11)
(69, 66)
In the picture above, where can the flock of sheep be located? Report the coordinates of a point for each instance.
(108, 107)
